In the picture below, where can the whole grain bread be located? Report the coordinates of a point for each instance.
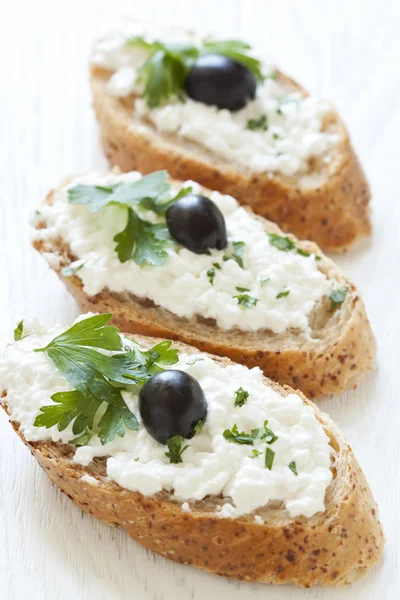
(341, 350)
(332, 548)
(329, 205)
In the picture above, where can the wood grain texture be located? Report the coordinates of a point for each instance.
(347, 51)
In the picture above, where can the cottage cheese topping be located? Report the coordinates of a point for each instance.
(211, 465)
(181, 285)
(294, 133)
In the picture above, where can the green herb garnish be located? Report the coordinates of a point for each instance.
(18, 332)
(246, 300)
(261, 433)
(98, 378)
(237, 255)
(282, 243)
(283, 294)
(241, 397)
(199, 426)
(293, 468)
(211, 275)
(269, 458)
(168, 64)
(242, 289)
(260, 124)
(143, 241)
(337, 298)
(69, 270)
(175, 449)
(255, 453)
(217, 265)
(140, 240)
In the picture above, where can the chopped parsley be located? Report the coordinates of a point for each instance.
(199, 426)
(19, 332)
(237, 255)
(211, 275)
(260, 124)
(283, 294)
(276, 136)
(70, 270)
(241, 397)
(255, 453)
(285, 244)
(261, 433)
(98, 379)
(217, 265)
(242, 289)
(337, 298)
(264, 280)
(175, 449)
(269, 458)
(164, 72)
(246, 301)
(293, 468)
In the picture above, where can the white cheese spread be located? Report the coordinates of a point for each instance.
(211, 464)
(294, 135)
(182, 285)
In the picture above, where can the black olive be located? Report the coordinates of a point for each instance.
(220, 81)
(197, 223)
(171, 403)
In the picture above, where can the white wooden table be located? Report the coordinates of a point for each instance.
(347, 51)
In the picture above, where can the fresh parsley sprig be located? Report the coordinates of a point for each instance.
(140, 240)
(19, 332)
(164, 72)
(98, 378)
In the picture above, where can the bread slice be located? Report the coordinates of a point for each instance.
(331, 548)
(329, 205)
(342, 350)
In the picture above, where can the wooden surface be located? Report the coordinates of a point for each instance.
(347, 51)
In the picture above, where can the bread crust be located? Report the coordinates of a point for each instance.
(341, 352)
(330, 206)
(331, 548)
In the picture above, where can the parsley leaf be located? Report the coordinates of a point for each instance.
(175, 449)
(293, 468)
(18, 332)
(199, 426)
(70, 270)
(162, 203)
(143, 241)
(82, 440)
(237, 255)
(211, 275)
(282, 243)
(283, 294)
(269, 458)
(261, 433)
(241, 397)
(97, 378)
(236, 50)
(233, 435)
(242, 289)
(260, 124)
(255, 453)
(337, 298)
(126, 193)
(217, 265)
(246, 301)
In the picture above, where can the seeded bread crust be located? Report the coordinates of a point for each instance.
(341, 351)
(331, 548)
(329, 205)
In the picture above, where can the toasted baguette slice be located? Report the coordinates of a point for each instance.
(329, 205)
(343, 348)
(331, 548)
